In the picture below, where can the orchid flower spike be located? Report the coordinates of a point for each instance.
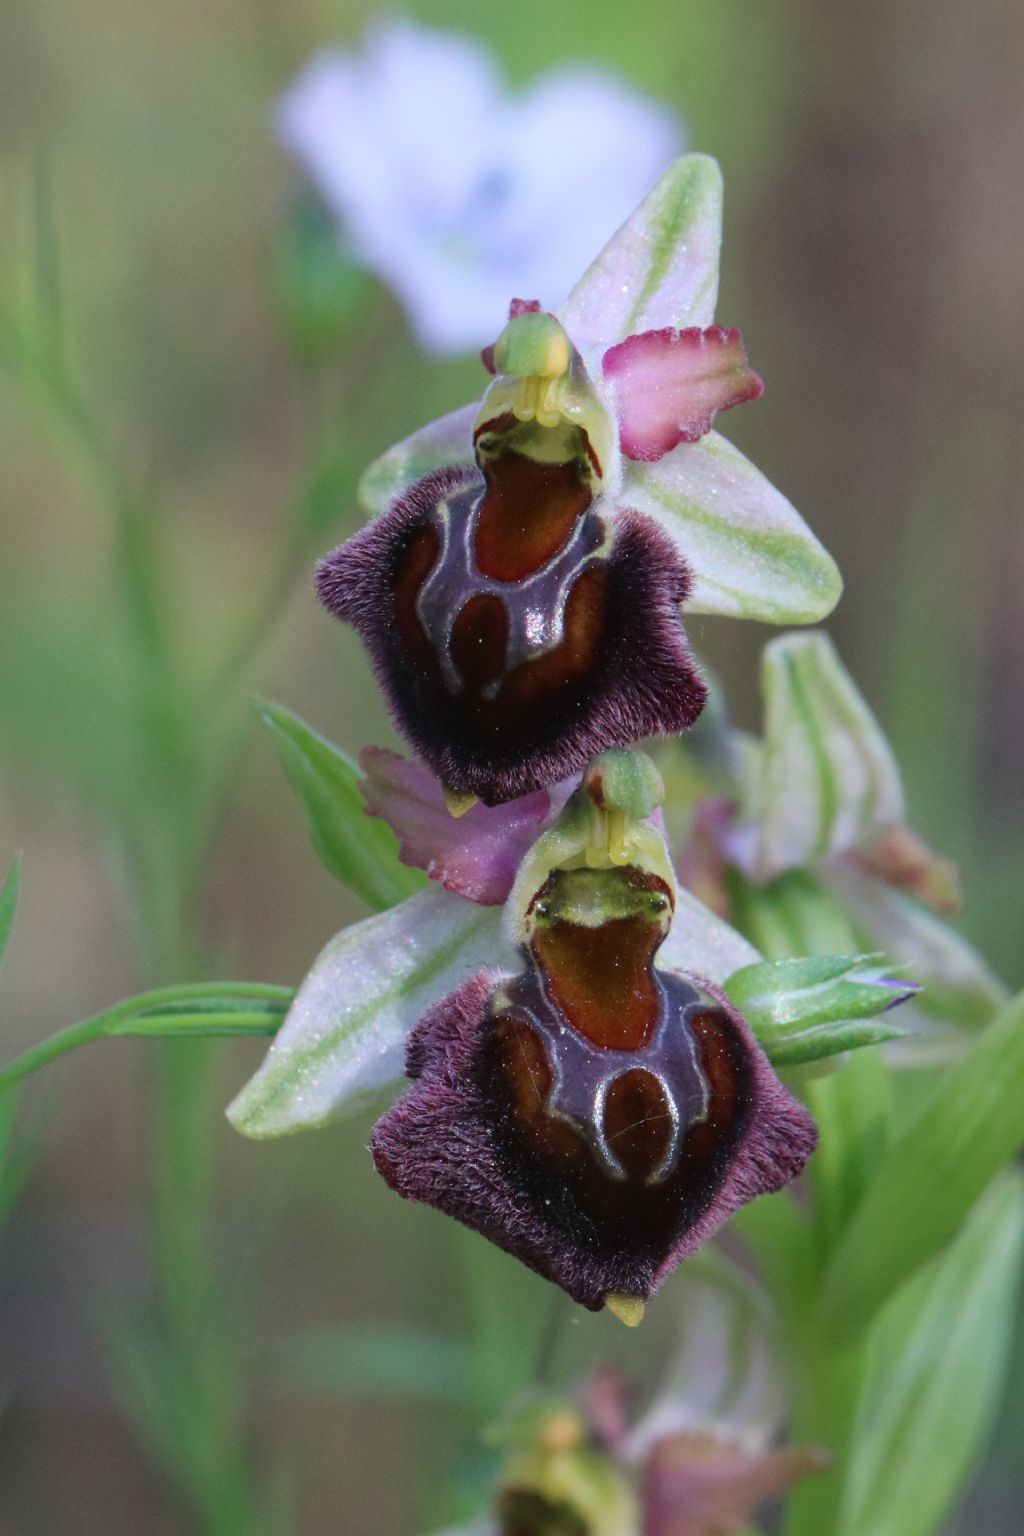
(593, 1114)
(520, 592)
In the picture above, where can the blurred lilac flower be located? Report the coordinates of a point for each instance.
(450, 187)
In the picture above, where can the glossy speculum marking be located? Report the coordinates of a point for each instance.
(617, 1093)
(494, 581)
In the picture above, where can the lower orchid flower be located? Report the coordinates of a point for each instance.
(593, 1113)
(698, 1460)
(593, 1064)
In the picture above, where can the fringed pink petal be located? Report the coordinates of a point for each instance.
(669, 384)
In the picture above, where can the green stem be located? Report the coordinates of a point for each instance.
(140, 1016)
(829, 1392)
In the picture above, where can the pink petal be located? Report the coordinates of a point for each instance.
(606, 1398)
(475, 855)
(669, 384)
(695, 1485)
(904, 860)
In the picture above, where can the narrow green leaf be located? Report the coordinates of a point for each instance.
(17, 1153)
(207, 1008)
(9, 905)
(932, 1174)
(359, 850)
(46, 264)
(216, 1023)
(149, 1386)
(938, 1358)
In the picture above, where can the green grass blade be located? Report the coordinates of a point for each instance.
(938, 1358)
(931, 1175)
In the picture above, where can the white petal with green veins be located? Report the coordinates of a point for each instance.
(660, 269)
(751, 553)
(702, 943)
(829, 780)
(958, 985)
(447, 441)
(343, 1041)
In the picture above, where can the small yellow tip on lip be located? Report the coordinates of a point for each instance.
(564, 1431)
(628, 1309)
(458, 804)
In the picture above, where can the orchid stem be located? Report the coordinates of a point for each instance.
(142, 1015)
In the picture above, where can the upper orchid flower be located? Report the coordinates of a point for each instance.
(452, 189)
(520, 595)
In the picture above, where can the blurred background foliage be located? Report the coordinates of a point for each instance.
(874, 222)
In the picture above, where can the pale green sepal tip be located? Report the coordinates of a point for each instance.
(660, 269)
(443, 443)
(751, 553)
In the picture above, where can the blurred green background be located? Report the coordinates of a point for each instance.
(874, 224)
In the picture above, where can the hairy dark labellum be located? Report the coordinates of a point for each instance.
(595, 1116)
(516, 629)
